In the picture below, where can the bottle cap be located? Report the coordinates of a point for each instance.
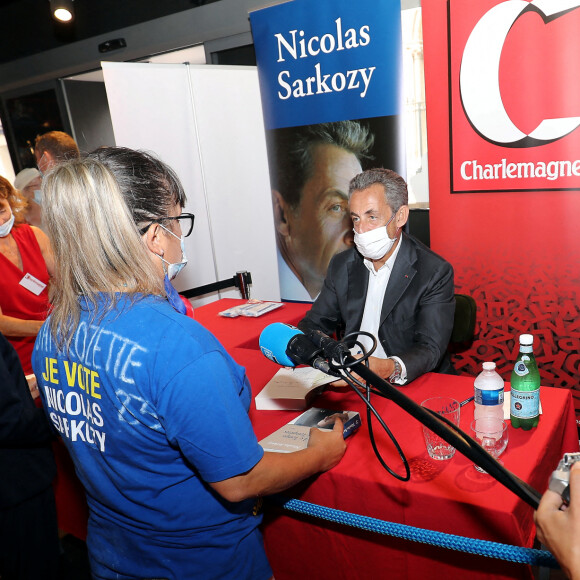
(526, 339)
(488, 366)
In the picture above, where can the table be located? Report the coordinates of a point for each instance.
(448, 496)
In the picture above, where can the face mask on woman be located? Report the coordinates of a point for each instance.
(374, 244)
(174, 269)
(6, 227)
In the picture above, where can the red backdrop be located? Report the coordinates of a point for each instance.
(515, 252)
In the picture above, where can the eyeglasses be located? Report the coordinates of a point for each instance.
(186, 221)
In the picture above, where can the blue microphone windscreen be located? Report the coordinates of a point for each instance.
(274, 342)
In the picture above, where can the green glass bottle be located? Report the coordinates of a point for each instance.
(525, 387)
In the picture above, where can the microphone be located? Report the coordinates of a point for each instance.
(287, 346)
(332, 349)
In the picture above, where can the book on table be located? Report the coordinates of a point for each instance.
(294, 435)
(292, 389)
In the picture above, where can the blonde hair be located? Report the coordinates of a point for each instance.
(17, 202)
(91, 218)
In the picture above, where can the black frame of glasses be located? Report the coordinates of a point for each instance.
(178, 217)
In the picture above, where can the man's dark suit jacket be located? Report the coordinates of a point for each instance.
(417, 312)
(27, 464)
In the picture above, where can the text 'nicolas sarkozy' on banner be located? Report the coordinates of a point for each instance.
(328, 61)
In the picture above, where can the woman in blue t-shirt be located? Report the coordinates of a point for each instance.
(150, 406)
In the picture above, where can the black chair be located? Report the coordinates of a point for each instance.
(241, 280)
(463, 323)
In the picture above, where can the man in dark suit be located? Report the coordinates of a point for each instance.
(29, 545)
(390, 285)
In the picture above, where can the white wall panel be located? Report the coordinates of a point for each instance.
(206, 123)
(230, 129)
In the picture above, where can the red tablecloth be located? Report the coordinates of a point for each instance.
(245, 331)
(450, 496)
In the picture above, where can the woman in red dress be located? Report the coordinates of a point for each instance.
(26, 264)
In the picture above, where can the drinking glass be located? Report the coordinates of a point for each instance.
(449, 408)
(492, 434)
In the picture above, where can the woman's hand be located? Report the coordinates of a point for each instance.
(276, 472)
(330, 443)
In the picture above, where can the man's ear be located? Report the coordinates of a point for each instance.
(281, 210)
(402, 216)
(49, 159)
(152, 238)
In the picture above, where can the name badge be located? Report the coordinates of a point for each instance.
(33, 284)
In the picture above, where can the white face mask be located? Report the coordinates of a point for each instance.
(6, 227)
(174, 269)
(374, 244)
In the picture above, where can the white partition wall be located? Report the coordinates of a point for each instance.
(206, 123)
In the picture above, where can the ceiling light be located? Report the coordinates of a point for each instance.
(62, 10)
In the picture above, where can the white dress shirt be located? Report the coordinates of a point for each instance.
(378, 281)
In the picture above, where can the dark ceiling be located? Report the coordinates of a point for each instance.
(26, 27)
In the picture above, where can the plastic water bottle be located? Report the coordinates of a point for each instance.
(525, 387)
(488, 393)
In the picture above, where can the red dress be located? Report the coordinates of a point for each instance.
(15, 299)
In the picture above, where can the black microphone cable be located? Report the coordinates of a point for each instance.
(354, 383)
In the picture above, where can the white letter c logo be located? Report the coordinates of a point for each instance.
(479, 76)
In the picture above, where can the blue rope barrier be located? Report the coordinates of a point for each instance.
(450, 541)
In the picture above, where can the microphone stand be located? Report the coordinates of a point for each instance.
(447, 431)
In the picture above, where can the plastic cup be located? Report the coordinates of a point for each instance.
(449, 408)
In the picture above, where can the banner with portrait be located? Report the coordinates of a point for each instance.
(330, 84)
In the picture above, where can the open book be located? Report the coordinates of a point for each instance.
(292, 389)
(294, 435)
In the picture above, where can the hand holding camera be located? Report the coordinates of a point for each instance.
(558, 518)
(559, 481)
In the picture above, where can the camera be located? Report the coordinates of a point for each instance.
(561, 476)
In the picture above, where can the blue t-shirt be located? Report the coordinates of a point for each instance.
(151, 408)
